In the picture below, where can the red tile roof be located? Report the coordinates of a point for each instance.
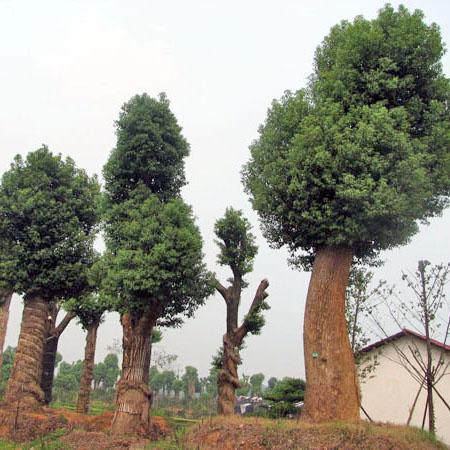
(404, 332)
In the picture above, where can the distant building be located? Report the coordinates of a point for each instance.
(389, 394)
(246, 405)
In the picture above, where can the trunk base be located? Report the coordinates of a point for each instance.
(132, 409)
(332, 386)
(133, 398)
(24, 390)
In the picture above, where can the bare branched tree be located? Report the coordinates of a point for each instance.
(424, 313)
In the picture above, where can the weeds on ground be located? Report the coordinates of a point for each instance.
(174, 441)
(48, 442)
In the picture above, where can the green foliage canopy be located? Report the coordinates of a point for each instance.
(154, 249)
(256, 382)
(362, 154)
(283, 395)
(48, 212)
(236, 242)
(154, 258)
(7, 365)
(150, 150)
(88, 308)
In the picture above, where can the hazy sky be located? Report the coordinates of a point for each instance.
(66, 68)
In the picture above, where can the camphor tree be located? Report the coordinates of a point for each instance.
(47, 219)
(237, 250)
(89, 311)
(52, 334)
(346, 168)
(153, 269)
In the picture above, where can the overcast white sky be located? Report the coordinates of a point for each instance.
(67, 66)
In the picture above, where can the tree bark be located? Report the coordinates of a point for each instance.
(48, 366)
(5, 300)
(133, 397)
(53, 334)
(332, 389)
(88, 369)
(49, 353)
(24, 388)
(228, 378)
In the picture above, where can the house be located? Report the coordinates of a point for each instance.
(393, 392)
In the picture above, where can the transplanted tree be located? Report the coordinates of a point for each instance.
(47, 217)
(346, 169)
(237, 250)
(154, 271)
(52, 334)
(89, 311)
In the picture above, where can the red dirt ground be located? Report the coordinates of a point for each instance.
(261, 434)
(83, 429)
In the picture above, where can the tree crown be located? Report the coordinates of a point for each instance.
(361, 155)
(48, 214)
(154, 258)
(236, 242)
(150, 150)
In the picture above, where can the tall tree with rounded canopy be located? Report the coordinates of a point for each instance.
(153, 268)
(47, 218)
(346, 169)
(237, 250)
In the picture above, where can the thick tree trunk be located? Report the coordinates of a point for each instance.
(332, 390)
(133, 398)
(24, 384)
(88, 369)
(5, 300)
(228, 379)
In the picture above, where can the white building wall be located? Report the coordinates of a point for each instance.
(389, 395)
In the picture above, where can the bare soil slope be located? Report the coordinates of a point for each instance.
(260, 434)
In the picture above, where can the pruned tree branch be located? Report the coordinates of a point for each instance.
(260, 296)
(57, 331)
(221, 289)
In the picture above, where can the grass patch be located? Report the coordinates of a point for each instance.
(174, 441)
(96, 407)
